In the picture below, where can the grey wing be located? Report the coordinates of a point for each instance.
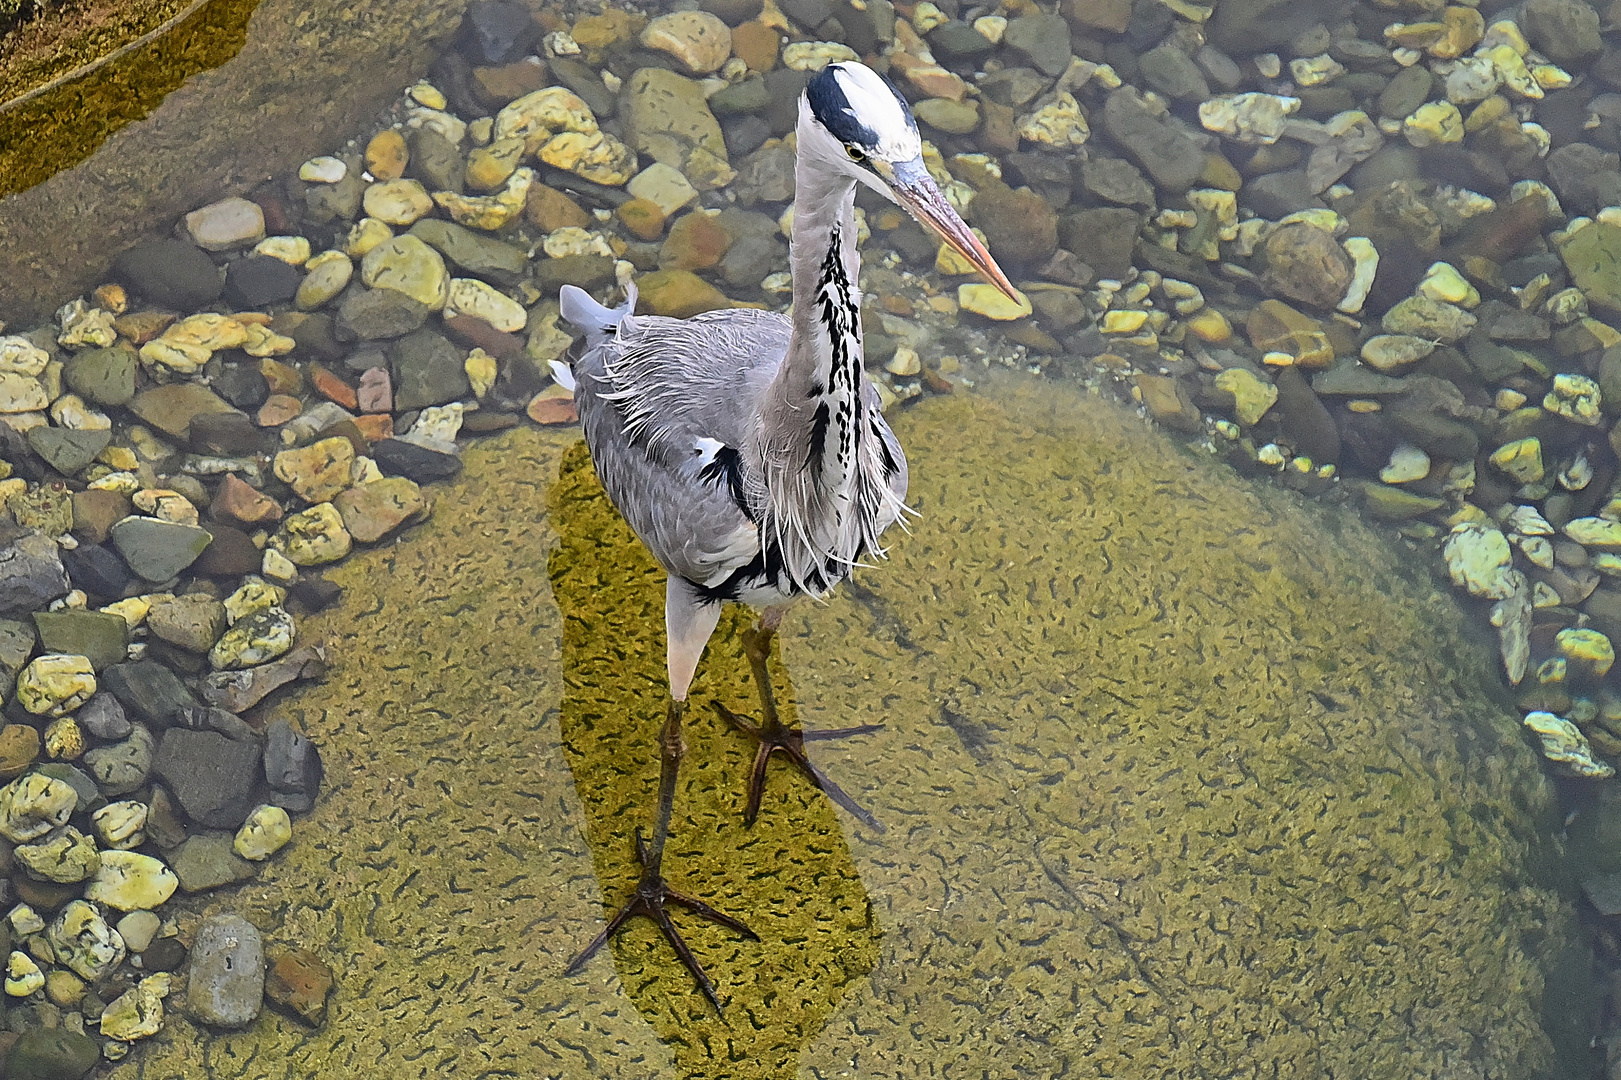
(666, 404)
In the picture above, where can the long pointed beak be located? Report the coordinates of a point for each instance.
(917, 193)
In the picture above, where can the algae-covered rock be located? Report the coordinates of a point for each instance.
(1173, 773)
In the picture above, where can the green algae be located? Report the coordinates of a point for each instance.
(1181, 777)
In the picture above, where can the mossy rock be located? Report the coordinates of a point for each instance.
(1181, 777)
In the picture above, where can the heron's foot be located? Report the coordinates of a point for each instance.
(774, 737)
(651, 899)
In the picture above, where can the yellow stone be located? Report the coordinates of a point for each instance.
(947, 260)
(1123, 322)
(988, 300)
(1434, 122)
(1520, 460)
(489, 212)
(1210, 326)
(364, 235)
(55, 684)
(1464, 27)
(1252, 395)
(481, 371)
(1589, 647)
(1443, 282)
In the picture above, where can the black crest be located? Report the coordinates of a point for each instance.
(831, 106)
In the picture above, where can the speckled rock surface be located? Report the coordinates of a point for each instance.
(220, 132)
(1182, 804)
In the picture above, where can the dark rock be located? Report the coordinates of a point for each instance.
(956, 40)
(67, 450)
(101, 637)
(1020, 227)
(1104, 238)
(1279, 194)
(123, 766)
(747, 96)
(96, 570)
(1584, 177)
(226, 985)
(316, 593)
(435, 161)
(1438, 436)
(148, 690)
(103, 717)
(292, 767)
(767, 175)
(104, 376)
(172, 408)
(1173, 73)
(314, 334)
(1169, 153)
(427, 370)
(785, 85)
(1306, 424)
(743, 134)
(1014, 87)
(474, 254)
(243, 385)
(31, 575)
(209, 718)
(238, 691)
(254, 283)
(398, 458)
(1567, 31)
(1042, 41)
(231, 554)
(1307, 264)
(158, 550)
(585, 82)
(808, 13)
(1406, 91)
(165, 824)
(1247, 27)
(168, 953)
(170, 273)
(1117, 181)
(54, 1053)
(747, 262)
(379, 313)
(213, 777)
(732, 12)
(228, 435)
(495, 33)
(589, 272)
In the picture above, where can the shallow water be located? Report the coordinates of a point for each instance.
(1181, 777)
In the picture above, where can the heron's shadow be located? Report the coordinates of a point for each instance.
(790, 877)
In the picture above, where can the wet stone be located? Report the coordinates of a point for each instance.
(299, 982)
(495, 32)
(257, 281)
(104, 376)
(1168, 153)
(226, 984)
(292, 767)
(427, 371)
(399, 458)
(211, 776)
(193, 621)
(242, 385)
(435, 161)
(31, 575)
(158, 550)
(101, 638)
(148, 690)
(380, 313)
(103, 717)
(172, 408)
(65, 449)
(170, 273)
(123, 766)
(52, 1054)
(472, 253)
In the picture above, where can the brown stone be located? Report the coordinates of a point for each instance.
(1307, 264)
(387, 155)
(471, 332)
(332, 388)
(680, 294)
(495, 86)
(696, 242)
(372, 511)
(230, 554)
(756, 44)
(278, 409)
(999, 131)
(1111, 15)
(375, 426)
(1274, 326)
(553, 405)
(928, 79)
(1169, 402)
(609, 28)
(283, 378)
(642, 217)
(19, 748)
(95, 512)
(143, 326)
(299, 982)
(1020, 226)
(549, 209)
(238, 503)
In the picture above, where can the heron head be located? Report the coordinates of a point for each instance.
(855, 122)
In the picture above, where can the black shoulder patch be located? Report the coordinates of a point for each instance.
(727, 468)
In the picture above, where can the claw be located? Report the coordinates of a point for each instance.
(773, 738)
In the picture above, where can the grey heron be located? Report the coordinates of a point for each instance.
(747, 449)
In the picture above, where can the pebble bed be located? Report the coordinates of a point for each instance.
(1369, 249)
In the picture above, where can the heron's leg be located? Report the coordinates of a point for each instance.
(774, 737)
(688, 624)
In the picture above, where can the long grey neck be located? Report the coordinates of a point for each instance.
(812, 453)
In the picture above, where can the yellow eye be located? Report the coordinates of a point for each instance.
(855, 152)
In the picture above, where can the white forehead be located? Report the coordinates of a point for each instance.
(879, 110)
